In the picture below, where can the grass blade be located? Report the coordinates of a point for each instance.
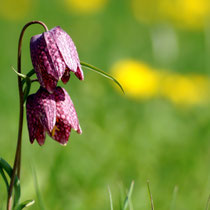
(110, 198)
(150, 195)
(4, 178)
(128, 197)
(103, 73)
(130, 205)
(8, 169)
(174, 198)
(38, 194)
(208, 203)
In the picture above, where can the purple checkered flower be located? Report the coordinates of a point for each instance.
(54, 55)
(52, 113)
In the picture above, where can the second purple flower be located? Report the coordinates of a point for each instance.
(52, 113)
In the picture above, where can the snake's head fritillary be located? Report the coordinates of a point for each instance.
(54, 55)
(52, 113)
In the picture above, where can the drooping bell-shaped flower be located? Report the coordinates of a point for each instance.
(52, 113)
(54, 55)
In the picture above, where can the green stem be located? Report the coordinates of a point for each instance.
(17, 161)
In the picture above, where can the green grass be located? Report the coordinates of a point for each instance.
(123, 139)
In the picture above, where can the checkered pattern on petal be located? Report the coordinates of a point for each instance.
(68, 51)
(42, 62)
(66, 76)
(46, 108)
(66, 116)
(35, 128)
(41, 114)
(58, 63)
(54, 55)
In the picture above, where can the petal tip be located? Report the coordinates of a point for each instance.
(79, 130)
(40, 143)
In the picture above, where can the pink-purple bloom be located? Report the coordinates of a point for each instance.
(53, 113)
(54, 55)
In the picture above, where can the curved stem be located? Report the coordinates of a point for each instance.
(17, 161)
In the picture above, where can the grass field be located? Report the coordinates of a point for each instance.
(154, 132)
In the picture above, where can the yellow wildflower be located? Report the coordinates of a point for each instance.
(189, 13)
(185, 90)
(85, 7)
(140, 81)
(137, 79)
(184, 13)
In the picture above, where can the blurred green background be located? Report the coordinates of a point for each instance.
(159, 130)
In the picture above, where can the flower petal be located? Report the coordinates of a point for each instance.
(48, 82)
(35, 128)
(66, 76)
(40, 133)
(68, 51)
(66, 116)
(42, 63)
(46, 107)
(79, 72)
(61, 132)
(65, 108)
(41, 114)
(58, 63)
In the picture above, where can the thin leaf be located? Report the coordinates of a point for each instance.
(25, 204)
(121, 196)
(103, 73)
(128, 197)
(19, 74)
(208, 203)
(4, 178)
(29, 74)
(38, 194)
(27, 88)
(174, 198)
(150, 195)
(26, 78)
(110, 198)
(130, 205)
(8, 169)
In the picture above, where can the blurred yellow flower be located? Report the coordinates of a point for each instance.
(185, 90)
(85, 7)
(189, 13)
(137, 79)
(184, 13)
(140, 81)
(14, 9)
